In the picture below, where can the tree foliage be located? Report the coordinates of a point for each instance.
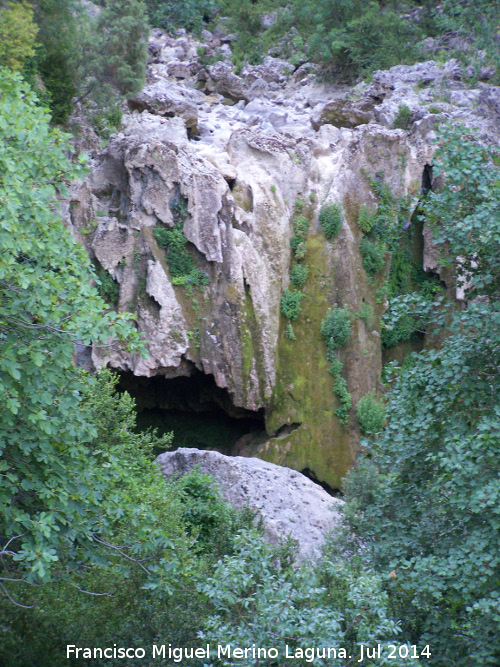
(260, 599)
(96, 57)
(465, 215)
(371, 414)
(170, 14)
(155, 541)
(51, 490)
(113, 61)
(433, 517)
(17, 34)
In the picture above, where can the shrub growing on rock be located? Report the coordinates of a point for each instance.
(371, 414)
(107, 287)
(402, 120)
(290, 304)
(330, 219)
(373, 255)
(298, 275)
(336, 329)
(366, 219)
(298, 240)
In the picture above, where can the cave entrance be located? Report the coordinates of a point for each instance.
(196, 410)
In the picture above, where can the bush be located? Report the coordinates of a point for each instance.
(380, 39)
(336, 367)
(289, 333)
(407, 315)
(299, 247)
(330, 219)
(336, 329)
(366, 314)
(107, 122)
(181, 265)
(172, 14)
(340, 391)
(360, 486)
(298, 275)
(17, 34)
(366, 219)
(373, 255)
(261, 600)
(300, 225)
(402, 120)
(371, 414)
(108, 288)
(355, 37)
(290, 304)
(298, 242)
(345, 399)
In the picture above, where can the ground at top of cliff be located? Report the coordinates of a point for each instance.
(346, 40)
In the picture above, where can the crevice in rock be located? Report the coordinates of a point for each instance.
(427, 178)
(310, 474)
(196, 410)
(285, 430)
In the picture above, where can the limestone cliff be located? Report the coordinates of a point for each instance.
(239, 155)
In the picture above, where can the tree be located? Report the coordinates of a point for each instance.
(262, 600)
(114, 58)
(51, 484)
(17, 34)
(55, 60)
(433, 517)
(98, 57)
(152, 542)
(169, 14)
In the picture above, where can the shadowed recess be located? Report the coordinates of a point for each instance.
(199, 413)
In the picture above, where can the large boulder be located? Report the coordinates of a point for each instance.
(168, 100)
(289, 503)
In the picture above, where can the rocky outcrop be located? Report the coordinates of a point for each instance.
(289, 503)
(241, 154)
(431, 93)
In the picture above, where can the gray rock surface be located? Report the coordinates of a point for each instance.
(290, 504)
(246, 151)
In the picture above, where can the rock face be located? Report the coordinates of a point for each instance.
(243, 153)
(288, 502)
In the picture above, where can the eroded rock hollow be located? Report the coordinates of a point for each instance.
(221, 165)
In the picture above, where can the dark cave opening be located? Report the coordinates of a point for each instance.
(310, 474)
(198, 412)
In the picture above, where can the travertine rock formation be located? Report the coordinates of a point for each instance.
(288, 502)
(245, 153)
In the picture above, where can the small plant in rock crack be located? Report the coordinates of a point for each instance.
(290, 304)
(298, 276)
(330, 219)
(336, 329)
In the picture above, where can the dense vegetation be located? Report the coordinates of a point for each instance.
(347, 38)
(75, 54)
(94, 547)
(426, 498)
